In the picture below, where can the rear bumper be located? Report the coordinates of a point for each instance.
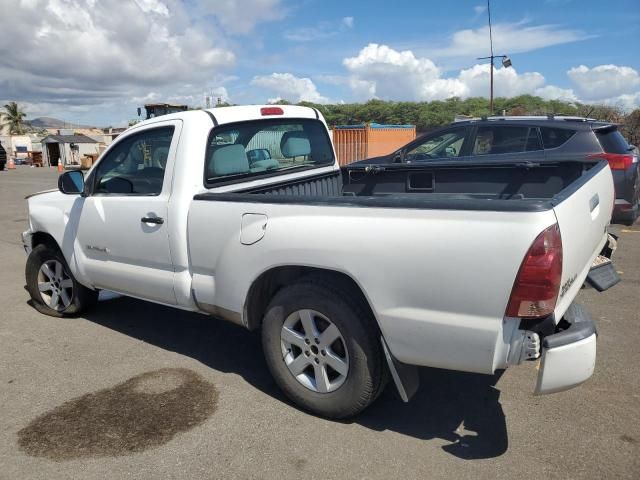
(568, 357)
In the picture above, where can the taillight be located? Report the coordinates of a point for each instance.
(271, 111)
(537, 284)
(617, 161)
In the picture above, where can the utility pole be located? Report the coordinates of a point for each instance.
(506, 61)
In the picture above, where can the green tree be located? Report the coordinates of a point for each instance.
(430, 115)
(13, 118)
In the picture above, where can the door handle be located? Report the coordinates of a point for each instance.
(156, 220)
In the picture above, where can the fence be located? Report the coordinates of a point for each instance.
(357, 142)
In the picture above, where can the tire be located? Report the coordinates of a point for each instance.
(339, 395)
(46, 266)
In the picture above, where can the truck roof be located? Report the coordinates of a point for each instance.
(243, 113)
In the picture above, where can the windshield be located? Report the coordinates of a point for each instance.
(266, 147)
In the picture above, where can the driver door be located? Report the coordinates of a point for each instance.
(123, 230)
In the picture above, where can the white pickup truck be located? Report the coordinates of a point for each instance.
(243, 214)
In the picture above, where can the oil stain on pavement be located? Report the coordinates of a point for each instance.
(146, 411)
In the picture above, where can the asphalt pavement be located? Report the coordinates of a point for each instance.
(136, 390)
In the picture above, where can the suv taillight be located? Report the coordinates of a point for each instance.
(537, 284)
(617, 161)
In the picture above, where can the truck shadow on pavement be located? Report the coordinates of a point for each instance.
(460, 408)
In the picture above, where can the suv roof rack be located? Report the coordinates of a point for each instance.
(550, 116)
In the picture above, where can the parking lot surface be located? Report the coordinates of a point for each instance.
(137, 390)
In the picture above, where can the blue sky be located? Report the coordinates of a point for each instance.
(78, 60)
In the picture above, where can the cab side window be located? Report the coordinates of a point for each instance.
(135, 166)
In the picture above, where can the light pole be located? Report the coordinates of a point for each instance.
(506, 61)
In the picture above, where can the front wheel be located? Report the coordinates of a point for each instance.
(323, 350)
(53, 289)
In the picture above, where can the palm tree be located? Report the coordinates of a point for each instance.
(13, 117)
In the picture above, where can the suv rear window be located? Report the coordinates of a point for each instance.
(612, 141)
(265, 147)
(555, 137)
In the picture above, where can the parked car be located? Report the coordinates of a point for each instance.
(470, 267)
(3, 157)
(532, 139)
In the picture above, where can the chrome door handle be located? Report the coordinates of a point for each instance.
(156, 220)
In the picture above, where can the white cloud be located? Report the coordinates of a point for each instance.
(604, 81)
(480, 9)
(290, 87)
(90, 56)
(387, 73)
(79, 52)
(154, 6)
(240, 17)
(379, 71)
(627, 101)
(551, 92)
(507, 38)
(383, 72)
(507, 81)
(320, 31)
(148, 98)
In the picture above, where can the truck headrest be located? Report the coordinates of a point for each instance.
(228, 160)
(295, 144)
(159, 158)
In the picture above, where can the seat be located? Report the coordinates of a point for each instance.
(228, 160)
(295, 144)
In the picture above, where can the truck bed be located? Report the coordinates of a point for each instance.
(501, 187)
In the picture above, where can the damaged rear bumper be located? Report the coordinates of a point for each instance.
(568, 357)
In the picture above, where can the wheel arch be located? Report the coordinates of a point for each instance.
(44, 238)
(268, 283)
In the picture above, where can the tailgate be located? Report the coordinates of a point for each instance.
(583, 211)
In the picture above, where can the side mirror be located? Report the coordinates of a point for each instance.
(397, 158)
(71, 182)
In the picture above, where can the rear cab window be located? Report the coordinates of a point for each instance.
(263, 148)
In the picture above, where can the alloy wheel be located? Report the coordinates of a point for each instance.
(314, 351)
(55, 285)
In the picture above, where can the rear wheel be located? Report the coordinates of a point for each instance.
(53, 289)
(323, 350)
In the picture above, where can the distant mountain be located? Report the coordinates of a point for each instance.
(49, 122)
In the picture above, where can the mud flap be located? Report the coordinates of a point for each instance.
(404, 376)
(603, 276)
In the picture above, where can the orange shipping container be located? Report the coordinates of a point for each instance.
(358, 142)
